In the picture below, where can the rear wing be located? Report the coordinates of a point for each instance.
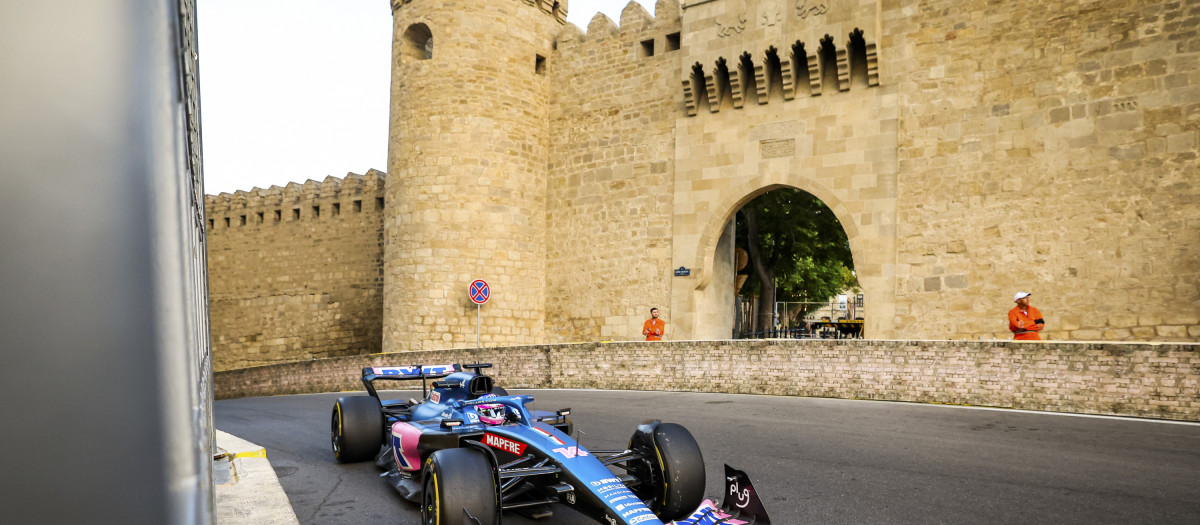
(371, 374)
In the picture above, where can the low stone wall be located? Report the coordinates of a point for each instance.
(1144, 380)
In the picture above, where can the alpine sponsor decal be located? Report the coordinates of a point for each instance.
(411, 371)
(549, 436)
(435, 397)
(571, 452)
(504, 444)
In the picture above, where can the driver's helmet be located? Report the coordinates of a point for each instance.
(491, 413)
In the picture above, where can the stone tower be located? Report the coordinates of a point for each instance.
(467, 163)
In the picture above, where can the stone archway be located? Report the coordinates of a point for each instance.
(699, 302)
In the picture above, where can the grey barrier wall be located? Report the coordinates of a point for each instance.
(1127, 379)
(103, 324)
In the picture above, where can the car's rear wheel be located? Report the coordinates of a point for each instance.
(459, 485)
(356, 428)
(671, 474)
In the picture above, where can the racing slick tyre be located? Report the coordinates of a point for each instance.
(671, 475)
(356, 429)
(499, 391)
(459, 485)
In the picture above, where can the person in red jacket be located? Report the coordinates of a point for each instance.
(1025, 321)
(653, 327)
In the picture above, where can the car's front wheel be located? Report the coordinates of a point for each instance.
(356, 428)
(671, 472)
(460, 487)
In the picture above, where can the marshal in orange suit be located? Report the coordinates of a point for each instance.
(653, 327)
(1025, 321)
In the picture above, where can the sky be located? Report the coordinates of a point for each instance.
(292, 90)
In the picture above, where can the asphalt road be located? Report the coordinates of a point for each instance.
(812, 460)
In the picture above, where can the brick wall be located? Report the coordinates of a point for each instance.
(1129, 379)
(296, 272)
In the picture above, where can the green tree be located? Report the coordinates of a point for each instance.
(797, 247)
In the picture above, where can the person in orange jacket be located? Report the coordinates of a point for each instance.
(653, 327)
(1025, 321)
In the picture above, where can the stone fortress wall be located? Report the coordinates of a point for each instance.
(296, 272)
(611, 178)
(971, 150)
(1049, 147)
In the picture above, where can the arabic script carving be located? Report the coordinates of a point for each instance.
(803, 10)
(731, 29)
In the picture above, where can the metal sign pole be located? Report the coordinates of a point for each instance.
(478, 325)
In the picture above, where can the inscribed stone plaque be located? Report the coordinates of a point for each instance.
(773, 149)
(777, 130)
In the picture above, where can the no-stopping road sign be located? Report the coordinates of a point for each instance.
(480, 291)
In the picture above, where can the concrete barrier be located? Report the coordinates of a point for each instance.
(247, 489)
(1156, 380)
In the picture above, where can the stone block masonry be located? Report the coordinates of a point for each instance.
(970, 149)
(1047, 147)
(1126, 379)
(296, 272)
(610, 181)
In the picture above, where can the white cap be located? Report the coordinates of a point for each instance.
(1021, 295)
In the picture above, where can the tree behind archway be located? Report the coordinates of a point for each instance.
(796, 246)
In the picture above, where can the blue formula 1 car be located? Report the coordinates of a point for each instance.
(470, 452)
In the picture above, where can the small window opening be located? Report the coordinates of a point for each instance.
(699, 88)
(416, 44)
(774, 72)
(357, 206)
(278, 215)
(242, 221)
(749, 82)
(260, 217)
(858, 59)
(829, 71)
(539, 65)
(379, 203)
(800, 69)
(226, 222)
(295, 214)
(673, 42)
(316, 212)
(337, 208)
(648, 48)
(722, 85)
(210, 224)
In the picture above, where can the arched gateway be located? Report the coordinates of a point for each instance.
(713, 293)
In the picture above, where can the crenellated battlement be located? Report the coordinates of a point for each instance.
(800, 67)
(312, 199)
(556, 8)
(635, 22)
